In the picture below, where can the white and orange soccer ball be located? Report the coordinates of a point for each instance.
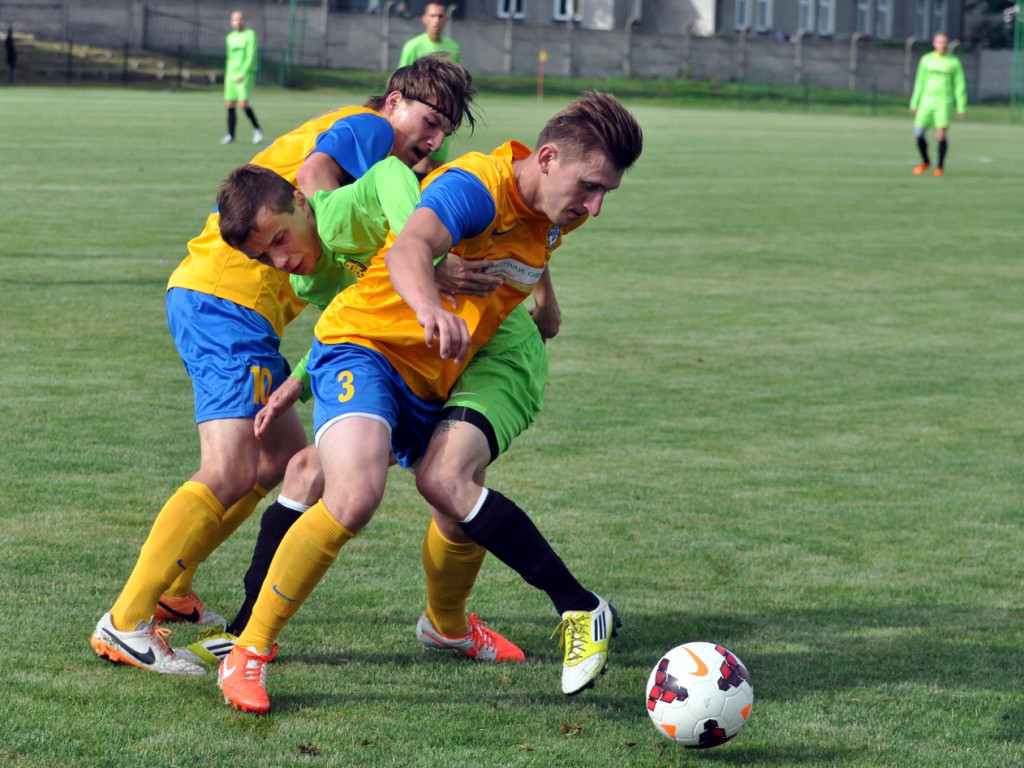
(699, 695)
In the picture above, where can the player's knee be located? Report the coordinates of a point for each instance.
(304, 477)
(229, 480)
(438, 486)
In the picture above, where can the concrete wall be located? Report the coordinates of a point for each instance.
(373, 42)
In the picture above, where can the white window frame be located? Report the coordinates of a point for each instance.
(921, 16)
(514, 8)
(566, 10)
(826, 13)
(805, 12)
(940, 12)
(863, 24)
(763, 11)
(743, 11)
(883, 19)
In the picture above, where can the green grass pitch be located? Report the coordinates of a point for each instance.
(784, 415)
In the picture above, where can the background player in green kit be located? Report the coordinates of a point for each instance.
(939, 88)
(431, 42)
(240, 75)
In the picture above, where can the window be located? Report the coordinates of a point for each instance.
(742, 13)
(826, 17)
(883, 19)
(762, 15)
(921, 19)
(514, 8)
(805, 15)
(566, 10)
(864, 17)
(938, 15)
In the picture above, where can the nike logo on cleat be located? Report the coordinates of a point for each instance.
(191, 618)
(146, 658)
(227, 672)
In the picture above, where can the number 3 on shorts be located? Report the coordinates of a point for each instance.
(347, 390)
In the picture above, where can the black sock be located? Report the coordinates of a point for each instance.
(232, 119)
(922, 147)
(252, 117)
(276, 520)
(942, 152)
(509, 534)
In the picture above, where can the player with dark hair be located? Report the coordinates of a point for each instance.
(227, 314)
(387, 353)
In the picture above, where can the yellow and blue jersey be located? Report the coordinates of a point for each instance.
(356, 138)
(477, 200)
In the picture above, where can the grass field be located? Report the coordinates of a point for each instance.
(784, 415)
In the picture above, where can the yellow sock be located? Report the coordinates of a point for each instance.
(186, 523)
(237, 514)
(306, 552)
(451, 570)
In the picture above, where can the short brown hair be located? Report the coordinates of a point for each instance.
(595, 122)
(438, 81)
(247, 191)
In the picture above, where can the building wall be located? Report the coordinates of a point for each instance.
(373, 42)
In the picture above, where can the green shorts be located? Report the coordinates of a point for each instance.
(505, 387)
(238, 91)
(934, 115)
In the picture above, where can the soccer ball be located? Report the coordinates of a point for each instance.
(699, 695)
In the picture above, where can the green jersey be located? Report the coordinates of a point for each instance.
(241, 54)
(353, 222)
(421, 45)
(940, 81)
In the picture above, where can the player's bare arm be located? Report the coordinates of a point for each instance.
(410, 263)
(545, 312)
(321, 173)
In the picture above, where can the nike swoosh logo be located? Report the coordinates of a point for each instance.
(182, 565)
(191, 618)
(281, 594)
(702, 668)
(227, 671)
(145, 658)
(498, 233)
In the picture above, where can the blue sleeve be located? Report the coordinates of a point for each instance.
(462, 203)
(357, 142)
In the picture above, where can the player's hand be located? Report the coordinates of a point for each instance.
(455, 275)
(548, 318)
(284, 397)
(449, 332)
(913, 111)
(961, 115)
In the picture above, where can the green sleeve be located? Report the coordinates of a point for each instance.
(960, 88)
(919, 82)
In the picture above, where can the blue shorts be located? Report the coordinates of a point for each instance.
(352, 380)
(231, 353)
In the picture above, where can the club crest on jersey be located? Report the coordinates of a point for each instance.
(356, 268)
(553, 234)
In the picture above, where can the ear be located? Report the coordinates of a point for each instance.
(392, 102)
(547, 155)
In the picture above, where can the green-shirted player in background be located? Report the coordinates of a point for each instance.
(240, 75)
(432, 41)
(939, 88)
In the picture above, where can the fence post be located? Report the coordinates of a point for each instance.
(124, 67)
(627, 54)
(741, 53)
(71, 46)
(568, 46)
(685, 70)
(506, 65)
(854, 39)
(798, 57)
(908, 58)
(385, 33)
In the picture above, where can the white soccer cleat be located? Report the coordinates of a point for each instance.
(211, 647)
(228, 138)
(257, 136)
(146, 647)
(585, 636)
(479, 643)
